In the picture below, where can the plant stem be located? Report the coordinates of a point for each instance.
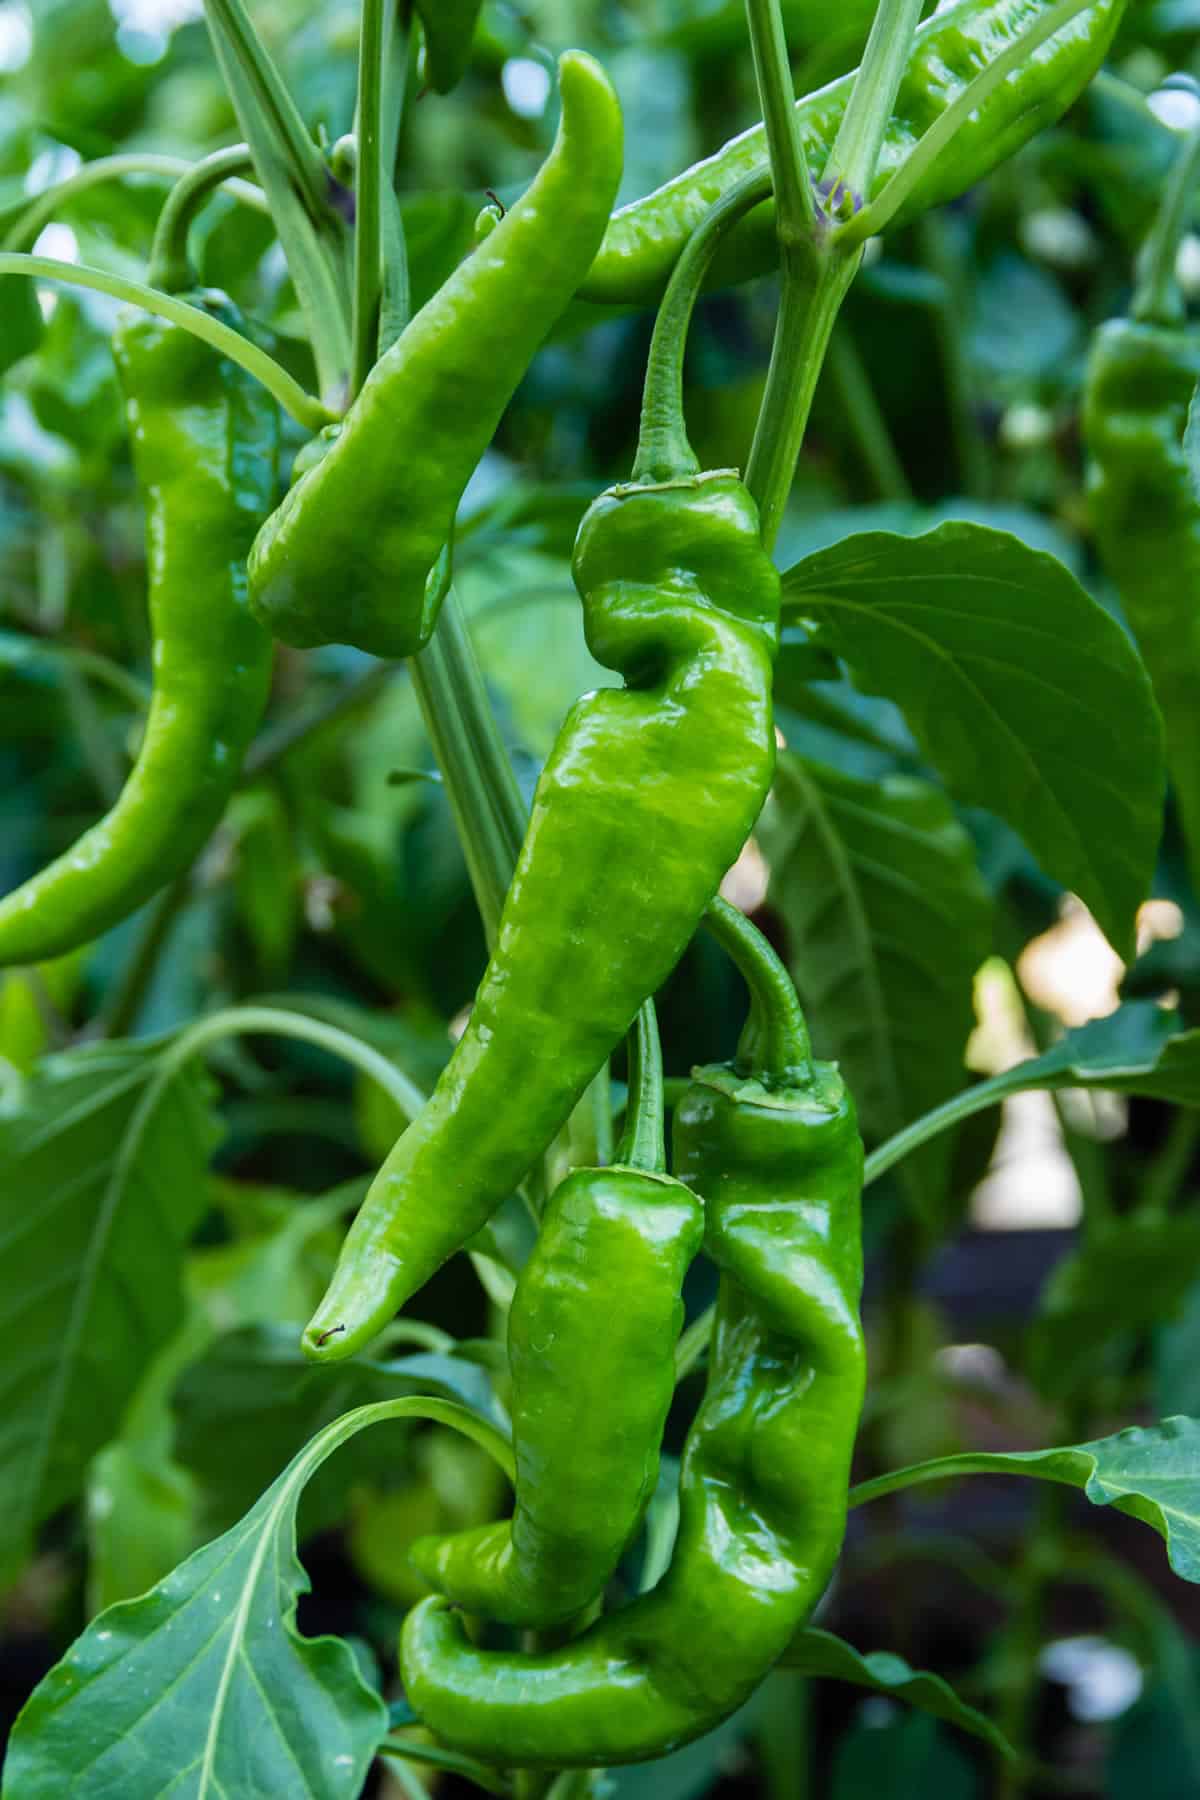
(44, 206)
(1169, 1169)
(484, 797)
(941, 259)
(938, 136)
(286, 389)
(298, 187)
(434, 1757)
(861, 410)
(795, 208)
(807, 315)
(1157, 299)
(170, 266)
(270, 747)
(129, 992)
(855, 153)
(368, 185)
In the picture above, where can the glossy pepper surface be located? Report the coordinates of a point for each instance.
(205, 446)
(347, 555)
(647, 797)
(591, 1341)
(772, 1144)
(959, 41)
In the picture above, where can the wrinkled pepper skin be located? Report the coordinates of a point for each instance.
(647, 798)
(591, 1340)
(1146, 514)
(645, 238)
(765, 1470)
(449, 27)
(205, 452)
(345, 557)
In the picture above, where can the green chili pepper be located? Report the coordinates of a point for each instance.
(648, 796)
(1141, 384)
(448, 26)
(591, 1339)
(347, 556)
(645, 239)
(205, 448)
(772, 1144)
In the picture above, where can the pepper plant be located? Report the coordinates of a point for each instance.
(515, 890)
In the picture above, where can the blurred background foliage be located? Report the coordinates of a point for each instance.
(952, 389)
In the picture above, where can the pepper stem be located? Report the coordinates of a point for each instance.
(643, 1145)
(1157, 299)
(775, 1045)
(170, 267)
(663, 449)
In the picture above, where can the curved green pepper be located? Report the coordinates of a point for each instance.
(591, 1339)
(648, 796)
(205, 449)
(645, 238)
(346, 556)
(772, 1144)
(1141, 384)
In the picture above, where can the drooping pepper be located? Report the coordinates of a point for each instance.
(645, 238)
(771, 1143)
(591, 1337)
(347, 555)
(1142, 485)
(647, 798)
(205, 447)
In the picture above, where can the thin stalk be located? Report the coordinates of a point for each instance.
(664, 451)
(271, 747)
(693, 1342)
(1169, 1170)
(299, 189)
(795, 207)
(368, 187)
(170, 266)
(484, 797)
(859, 406)
(43, 208)
(807, 315)
(432, 1756)
(1025, 1641)
(234, 36)
(775, 1042)
(936, 139)
(855, 153)
(129, 992)
(1157, 299)
(643, 1145)
(941, 259)
(306, 410)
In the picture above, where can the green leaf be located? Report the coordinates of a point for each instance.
(21, 327)
(102, 1179)
(1011, 678)
(887, 921)
(141, 1521)
(1128, 1274)
(897, 1758)
(820, 1653)
(196, 1688)
(1177, 1361)
(1138, 1049)
(1150, 1472)
(245, 1407)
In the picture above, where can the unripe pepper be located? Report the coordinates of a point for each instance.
(591, 1340)
(346, 557)
(772, 1145)
(647, 798)
(1142, 487)
(205, 447)
(959, 41)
